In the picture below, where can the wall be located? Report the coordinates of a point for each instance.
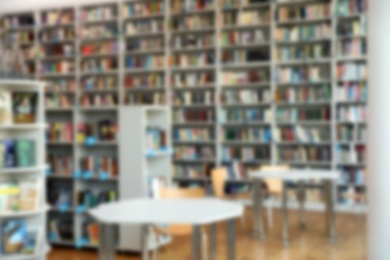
(29, 5)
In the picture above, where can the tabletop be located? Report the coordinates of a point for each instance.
(167, 211)
(297, 175)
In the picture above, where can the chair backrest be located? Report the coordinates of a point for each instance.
(274, 185)
(218, 180)
(172, 193)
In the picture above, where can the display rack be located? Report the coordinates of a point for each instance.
(24, 172)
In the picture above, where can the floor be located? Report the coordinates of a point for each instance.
(308, 244)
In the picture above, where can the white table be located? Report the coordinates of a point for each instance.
(145, 212)
(328, 178)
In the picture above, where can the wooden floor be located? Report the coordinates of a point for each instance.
(309, 244)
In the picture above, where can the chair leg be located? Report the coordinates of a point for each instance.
(243, 221)
(205, 248)
(270, 214)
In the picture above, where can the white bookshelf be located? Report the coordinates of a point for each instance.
(35, 219)
(138, 165)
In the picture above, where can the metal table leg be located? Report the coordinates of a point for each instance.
(145, 242)
(330, 194)
(231, 239)
(107, 242)
(196, 242)
(213, 241)
(284, 216)
(302, 198)
(258, 209)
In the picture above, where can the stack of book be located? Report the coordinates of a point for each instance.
(57, 67)
(99, 165)
(60, 85)
(17, 153)
(350, 28)
(61, 164)
(301, 134)
(192, 22)
(192, 59)
(189, 41)
(14, 22)
(178, 6)
(88, 199)
(102, 130)
(98, 100)
(349, 7)
(246, 154)
(191, 171)
(304, 32)
(347, 155)
(158, 98)
(352, 48)
(248, 96)
(247, 135)
(144, 26)
(345, 133)
(53, 101)
(60, 132)
(56, 50)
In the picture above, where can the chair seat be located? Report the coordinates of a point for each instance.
(175, 230)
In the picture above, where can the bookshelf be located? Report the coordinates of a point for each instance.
(22, 174)
(302, 99)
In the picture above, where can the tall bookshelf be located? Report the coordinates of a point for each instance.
(224, 105)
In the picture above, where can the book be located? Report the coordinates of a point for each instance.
(20, 196)
(24, 107)
(6, 112)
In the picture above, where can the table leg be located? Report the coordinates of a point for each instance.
(284, 215)
(302, 198)
(145, 242)
(213, 241)
(107, 242)
(330, 194)
(196, 242)
(258, 209)
(231, 239)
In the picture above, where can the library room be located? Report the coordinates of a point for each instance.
(194, 129)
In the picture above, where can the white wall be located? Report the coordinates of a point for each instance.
(30, 5)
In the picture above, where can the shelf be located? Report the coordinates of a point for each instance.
(59, 110)
(57, 58)
(351, 164)
(98, 108)
(144, 35)
(60, 143)
(58, 75)
(303, 104)
(144, 52)
(351, 58)
(195, 106)
(247, 46)
(303, 83)
(308, 163)
(296, 2)
(194, 68)
(145, 89)
(294, 143)
(259, 104)
(57, 42)
(192, 49)
(60, 177)
(304, 21)
(9, 215)
(245, 143)
(93, 91)
(99, 39)
(144, 17)
(194, 161)
(305, 62)
(36, 126)
(245, 124)
(308, 122)
(158, 153)
(244, 27)
(348, 37)
(351, 102)
(249, 65)
(99, 55)
(99, 144)
(194, 31)
(247, 86)
(191, 142)
(195, 124)
(55, 26)
(302, 42)
(144, 70)
(20, 28)
(195, 88)
(24, 170)
(27, 257)
(107, 21)
(99, 73)
(191, 12)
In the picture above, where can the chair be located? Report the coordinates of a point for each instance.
(180, 230)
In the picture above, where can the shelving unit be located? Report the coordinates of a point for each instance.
(31, 174)
(151, 61)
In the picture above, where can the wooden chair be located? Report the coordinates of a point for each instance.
(176, 229)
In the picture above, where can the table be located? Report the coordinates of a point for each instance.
(145, 212)
(300, 176)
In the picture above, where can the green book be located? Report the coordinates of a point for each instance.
(25, 153)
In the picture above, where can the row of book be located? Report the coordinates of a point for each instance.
(59, 101)
(193, 134)
(17, 153)
(156, 98)
(88, 199)
(352, 113)
(188, 41)
(60, 165)
(194, 98)
(246, 154)
(353, 176)
(99, 65)
(304, 32)
(252, 134)
(301, 74)
(102, 13)
(352, 91)
(352, 47)
(100, 31)
(243, 37)
(60, 132)
(249, 96)
(145, 62)
(348, 155)
(246, 77)
(57, 17)
(194, 153)
(102, 130)
(54, 35)
(58, 85)
(150, 80)
(106, 47)
(49, 67)
(304, 94)
(249, 115)
(178, 6)
(307, 12)
(143, 9)
(304, 154)
(20, 195)
(21, 238)
(60, 195)
(191, 171)
(100, 83)
(102, 166)
(188, 116)
(247, 17)
(351, 7)
(99, 100)
(145, 44)
(192, 59)
(352, 71)
(192, 79)
(144, 26)
(192, 22)
(56, 50)
(353, 196)
(90, 232)
(301, 134)
(348, 133)
(29, 53)
(21, 38)
(350, 28)
(304, 52)
(291, 115)
(23, 20)
(245, 56)
(155, 139)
